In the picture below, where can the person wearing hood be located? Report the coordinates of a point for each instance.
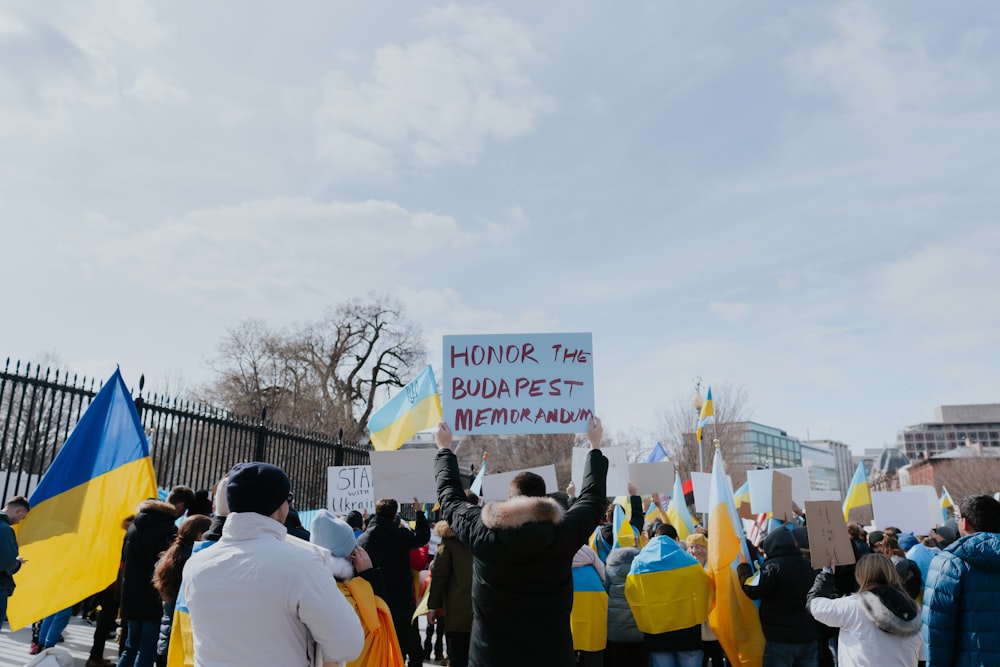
(626, 644)
(522, 549)
(781, 585)
(962, 596)
(879, 625)
(451, 591)
(352, 569)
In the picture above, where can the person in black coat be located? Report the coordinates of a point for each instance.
(150, 534)
(388, 544)
(781, 586)
(522, 548)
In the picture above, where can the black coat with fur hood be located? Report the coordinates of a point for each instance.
(151, 533)
(522, 583)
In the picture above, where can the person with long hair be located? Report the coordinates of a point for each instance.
(167, 576)
(879, 625)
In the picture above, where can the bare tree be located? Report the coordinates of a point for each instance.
(324, 376)
(678, 423)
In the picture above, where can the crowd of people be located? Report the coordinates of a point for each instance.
(542, 578)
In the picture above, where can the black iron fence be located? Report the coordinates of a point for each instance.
(190, 444)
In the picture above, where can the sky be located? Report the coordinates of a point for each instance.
(800, 198)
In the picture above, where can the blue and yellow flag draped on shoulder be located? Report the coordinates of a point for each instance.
(71, 540)
(667, 589)
(858, 493)
(588, 619)
(734, 618)
(416, 407)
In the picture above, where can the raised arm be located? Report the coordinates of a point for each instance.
(461, 515)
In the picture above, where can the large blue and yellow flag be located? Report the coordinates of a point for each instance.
(734, 618)
(71, 541)
(588, 619)
(415, 408)
(707, 414)
(667, 588)
(858, 493)
(678, 512)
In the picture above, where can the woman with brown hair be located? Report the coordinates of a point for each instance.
(167, 576)
(879, 625)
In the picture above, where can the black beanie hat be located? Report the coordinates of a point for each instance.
(257, 487)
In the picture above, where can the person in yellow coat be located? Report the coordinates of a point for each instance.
(381, 648)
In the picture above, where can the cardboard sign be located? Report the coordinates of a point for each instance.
(905, 511)
(404, 475)
(828, 538)
(781, 497)
(652, 477)
(518, 383)
(349, 488)
(702, 483)
(617, 469)
(496, 486)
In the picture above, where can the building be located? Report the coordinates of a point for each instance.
(769, 447)
(830, 465)
(966, 470)
(953, 426)
(884, 475)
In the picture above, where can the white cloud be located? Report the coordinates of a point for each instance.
(150, 88)
(729, 310)
(436, 100)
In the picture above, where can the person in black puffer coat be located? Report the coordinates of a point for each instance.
(782, 586)
(522, 548)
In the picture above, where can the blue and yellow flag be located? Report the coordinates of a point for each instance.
(707, 414)
(945, 503)
(71, 541)
(734, 618)
(678, 512)
(742, 495)
(622, 528)
(180, 652)
(858, 494)
(477, 484)
(667, 588)
(588, 619)
(415, 408)
(657, 453)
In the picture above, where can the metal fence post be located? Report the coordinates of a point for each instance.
(258, 452)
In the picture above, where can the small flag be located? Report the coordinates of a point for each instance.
(657, 454)
(945, 503)
(707, 414)
(99, 476)
(678, 513)
(858, 493)
(416, 407)
(622, 529)
(477, 484)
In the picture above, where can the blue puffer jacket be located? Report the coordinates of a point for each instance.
(961, 611)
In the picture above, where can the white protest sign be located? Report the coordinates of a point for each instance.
(617, 469)
(404, 474)
(902, 510)
(761, 482)
(496, 486)
(702, 484)
(349, 488)
(826, 495)
(931, 503)
(652, 477)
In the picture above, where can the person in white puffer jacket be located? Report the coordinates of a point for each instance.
(879, 625)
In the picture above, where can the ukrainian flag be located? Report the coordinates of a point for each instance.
(624, 531)
(71, 541)
(858, 494)
(734, 618)
(477, 484)
(742, 495)
(415, 408)
(678, 513)
(588, 619)
(180, 652)
(667, 588)
(945, 502)
(707, 414)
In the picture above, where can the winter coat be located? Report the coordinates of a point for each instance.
(150, 534)
(451, 581)
(388, 544)
(621, 622)
(878, 628)
(9, 564)
(522, 548)
(256, 600)
(962, 603)
(782, 585)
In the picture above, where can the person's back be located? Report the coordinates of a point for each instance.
(961, 611)
(523, 551)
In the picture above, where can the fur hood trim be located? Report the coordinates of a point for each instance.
(520, 510)
(891, 611)
(341, 568)
(152, 505)
(443, 529)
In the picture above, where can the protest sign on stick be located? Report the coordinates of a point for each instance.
(828, 538)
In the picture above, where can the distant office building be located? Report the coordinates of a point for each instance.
(953, 426)
(769, 447)
(829, 463)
